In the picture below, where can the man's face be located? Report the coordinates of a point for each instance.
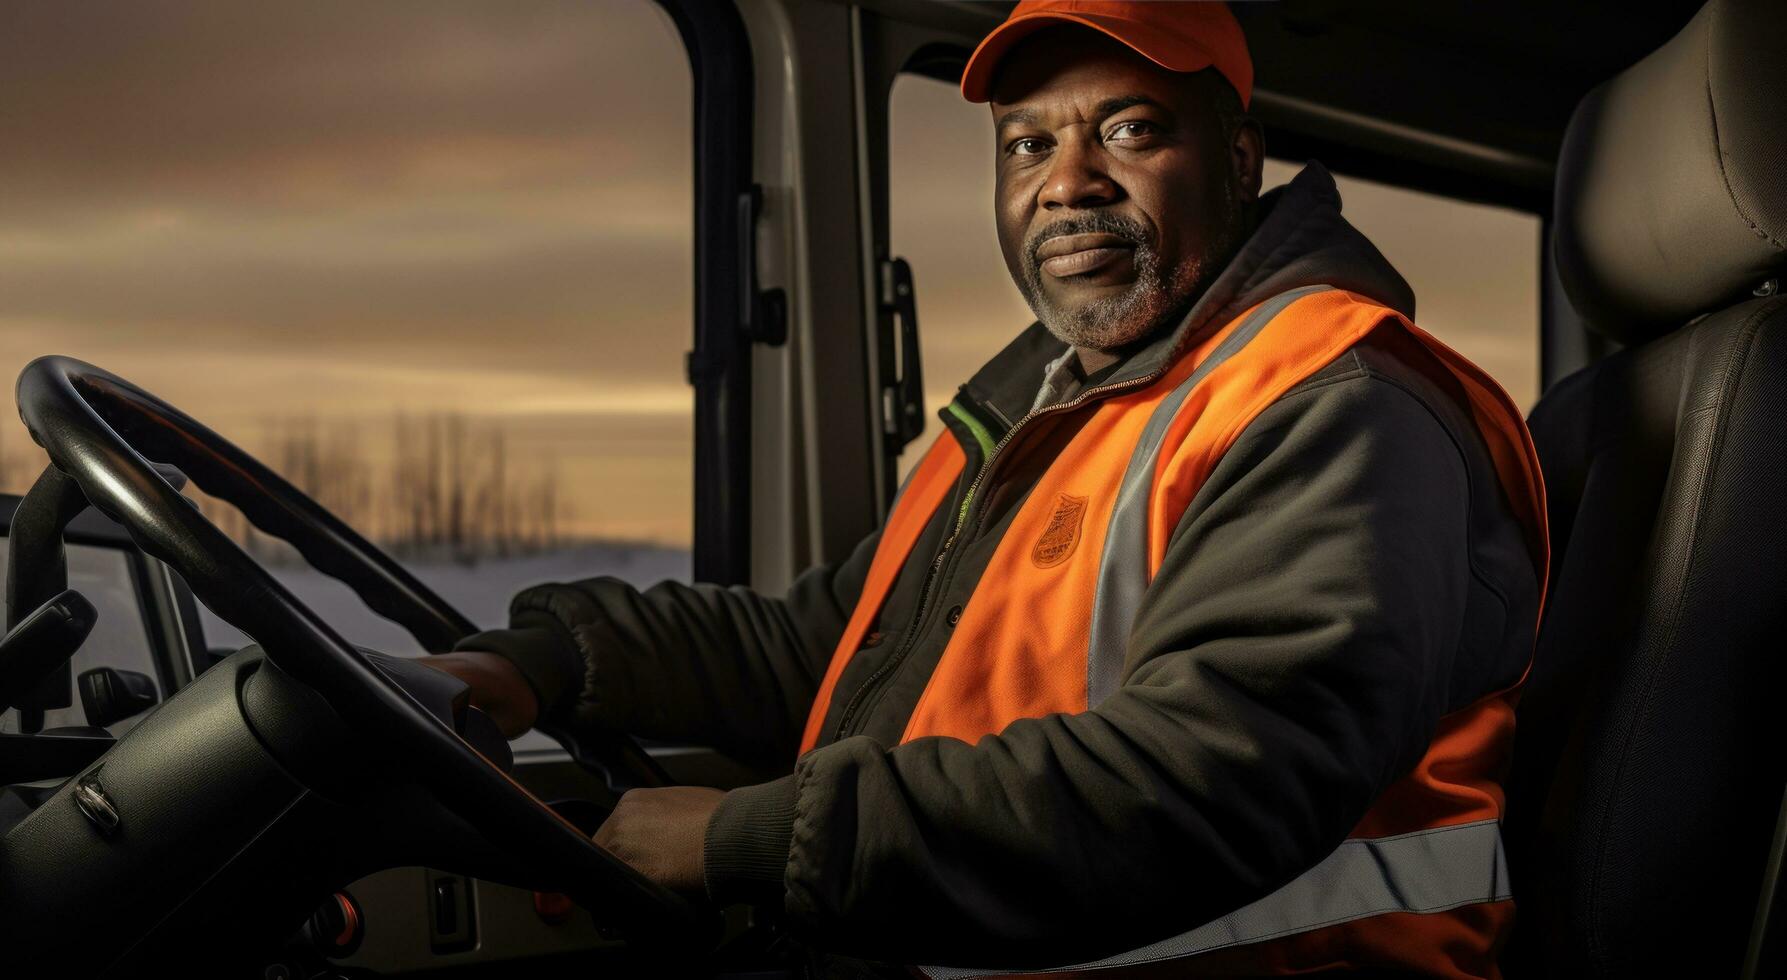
(1117, 195)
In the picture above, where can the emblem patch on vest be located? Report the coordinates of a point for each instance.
(1062, 533)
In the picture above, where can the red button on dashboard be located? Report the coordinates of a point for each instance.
(337, 926)
(552, 907)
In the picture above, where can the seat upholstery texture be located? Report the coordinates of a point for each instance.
(1649, 757)
(1650, 760)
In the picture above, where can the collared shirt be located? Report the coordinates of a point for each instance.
(1064, 377)
(1061, 377)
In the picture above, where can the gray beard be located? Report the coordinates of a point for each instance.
(1156, 294)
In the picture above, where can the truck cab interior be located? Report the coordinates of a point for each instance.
(204, 767)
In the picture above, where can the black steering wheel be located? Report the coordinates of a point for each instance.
(97, 429)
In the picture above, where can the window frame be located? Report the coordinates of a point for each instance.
(889, 48)
(726, 294)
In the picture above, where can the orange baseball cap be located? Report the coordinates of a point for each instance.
(1178, 35)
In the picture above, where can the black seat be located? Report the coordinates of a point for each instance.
(1651, 750)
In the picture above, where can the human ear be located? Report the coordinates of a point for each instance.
(1247, 156)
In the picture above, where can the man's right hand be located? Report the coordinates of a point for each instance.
(497, 687)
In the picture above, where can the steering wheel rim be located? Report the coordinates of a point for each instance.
(91, 422)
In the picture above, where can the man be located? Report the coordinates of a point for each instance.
(1191, 645)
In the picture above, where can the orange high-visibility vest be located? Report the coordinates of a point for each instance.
(1421, 882)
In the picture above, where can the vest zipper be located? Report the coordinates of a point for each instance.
(921, 616)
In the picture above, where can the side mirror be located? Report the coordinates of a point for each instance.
(110, 695)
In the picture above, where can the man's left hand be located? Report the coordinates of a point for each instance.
(660, 833)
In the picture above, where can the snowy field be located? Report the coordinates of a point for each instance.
(480, 590)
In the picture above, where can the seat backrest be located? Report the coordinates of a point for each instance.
(1651, 753)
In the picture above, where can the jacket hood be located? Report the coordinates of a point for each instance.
(1300, 240)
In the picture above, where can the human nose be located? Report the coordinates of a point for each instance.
(1077, 178)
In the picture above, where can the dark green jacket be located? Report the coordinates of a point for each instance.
(1350, 572)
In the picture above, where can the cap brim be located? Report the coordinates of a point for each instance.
(1171, 53)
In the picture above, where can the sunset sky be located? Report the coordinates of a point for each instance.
(343, 209)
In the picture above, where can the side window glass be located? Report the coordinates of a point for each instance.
(940, 206)
(1475, 268)
(433, 264)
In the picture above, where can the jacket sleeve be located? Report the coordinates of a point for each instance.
(1288, 662)
(703, 664)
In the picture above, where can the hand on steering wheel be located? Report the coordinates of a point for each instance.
(97, 429)
(496, 687)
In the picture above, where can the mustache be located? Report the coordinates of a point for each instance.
(1100, 222)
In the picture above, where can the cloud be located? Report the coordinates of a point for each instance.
(439, 183)
(332, 99)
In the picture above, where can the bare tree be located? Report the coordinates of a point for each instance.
(446, 487)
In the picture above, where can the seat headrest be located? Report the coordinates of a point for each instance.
(1672, 183)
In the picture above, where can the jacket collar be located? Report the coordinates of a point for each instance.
(1300, 240)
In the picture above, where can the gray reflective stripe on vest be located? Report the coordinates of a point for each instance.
(1123, 568)
(1426, 871)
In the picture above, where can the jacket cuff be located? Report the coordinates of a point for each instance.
(745, 851)
(542, 649)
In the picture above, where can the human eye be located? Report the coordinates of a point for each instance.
(1027, 146)
(1130, 130)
